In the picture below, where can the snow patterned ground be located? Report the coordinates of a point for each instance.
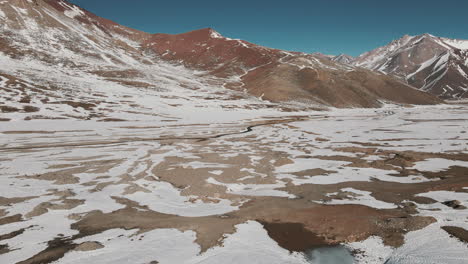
(118, 159)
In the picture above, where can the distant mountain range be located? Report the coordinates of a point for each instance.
(44, 33)
(433, 64)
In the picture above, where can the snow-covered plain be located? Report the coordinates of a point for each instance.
(121, 158)
(134, 150)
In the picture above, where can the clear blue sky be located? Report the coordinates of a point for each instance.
(327, 26)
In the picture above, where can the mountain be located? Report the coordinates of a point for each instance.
(41, 37)
(433, 64)
(343, 58)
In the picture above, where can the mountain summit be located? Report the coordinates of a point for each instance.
(433, 64)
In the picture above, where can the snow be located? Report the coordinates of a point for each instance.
(462, 72)
(457, 43)
(169, 246)
(215, 34)
(33, 240)
(430, 245)
(253, 189)
(438, 164)
(424, 65)
(216, 172)
(127, 246)
(250, 237)
(72, 11)
(375, 250)
(165, 198)
(362, 198)
(374, 59)
(443, 196)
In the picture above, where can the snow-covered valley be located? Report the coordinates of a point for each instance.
(113, 152)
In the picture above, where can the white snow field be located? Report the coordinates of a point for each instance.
(133, 150)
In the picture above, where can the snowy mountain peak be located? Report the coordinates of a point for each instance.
(343, 58)
(434, 64)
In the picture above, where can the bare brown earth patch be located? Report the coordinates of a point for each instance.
(335, 224)
(294, 237)
(12, 234)
(350, 223)
(27, 132)
(56, 250)
(10, 219)
(8, 109)
(89, 246)
(458, 232)
(132, 83)
(76, 104)
(312, 172)
(4, 249)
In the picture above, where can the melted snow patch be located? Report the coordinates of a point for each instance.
(127, 246)
(438, 164)
(44, 228)
(215, 34)
(167, 246)
(73, 11)
(374, 248)
(164, 198)
(362, 198)
(3, 80)
(442, 196)
(216, 172)
(430, 245)
(250, 237)
(340, 173)
(201, 165)
(253, 189)
(457, 43)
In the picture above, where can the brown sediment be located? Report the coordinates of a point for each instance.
(89, 246)
(66, 175)
(28, 132)
(31, 109)
(10, 219)
(8, 201)
(294, 237)
(458, 232)
(12, 234)
(112, 120)
(4, 249)
(350, 223)
(334, 224)
(56, 249)
(312, 172)
(210, 230)
(8, 109)
(454, 204)
(42, 208)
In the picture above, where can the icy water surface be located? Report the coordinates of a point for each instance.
(330, 255)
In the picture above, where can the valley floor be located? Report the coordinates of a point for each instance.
(389, 184)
